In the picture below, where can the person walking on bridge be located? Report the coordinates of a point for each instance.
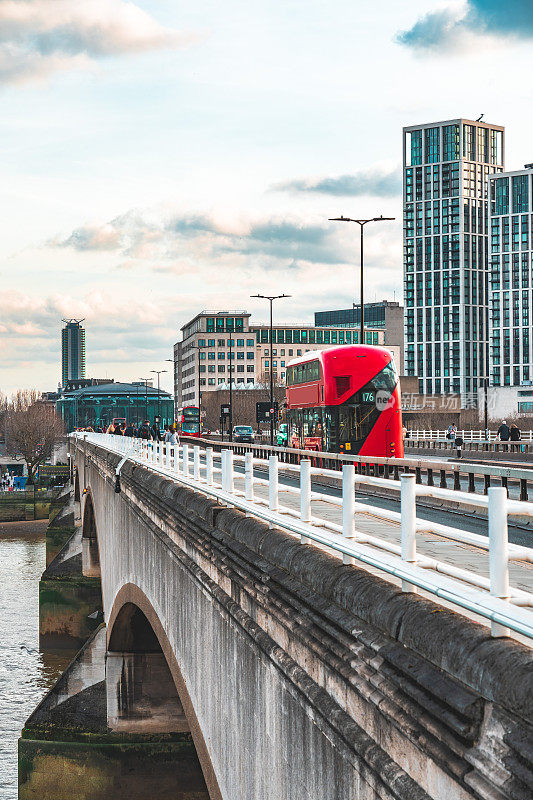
(514, 436)
(504, 432)
(145, 432)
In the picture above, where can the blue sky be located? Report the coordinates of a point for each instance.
(159, 158)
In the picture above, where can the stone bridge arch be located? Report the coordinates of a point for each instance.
(89, 542)
(146, 692)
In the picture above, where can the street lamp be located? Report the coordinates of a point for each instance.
(361, 223)
(173, 361)
(271, 298)
(145, 396)
(158, 373)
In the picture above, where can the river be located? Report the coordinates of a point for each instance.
(25, 674)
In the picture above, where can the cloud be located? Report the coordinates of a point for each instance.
(193, 239)
(454, 28)
(40, 37)
(370, 182)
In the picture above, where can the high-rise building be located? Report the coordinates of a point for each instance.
(511, 247)
(72, 351)
(446, 258)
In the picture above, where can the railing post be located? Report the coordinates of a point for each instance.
(209, 466)
(185, 455)
(498, 551)
(169, 455)
(348, 507)
(175, 457)
(196, 463)
(408, 517)
(273, 496)
(305, 495)
(230, 487)
(249, 477)
(224, 470)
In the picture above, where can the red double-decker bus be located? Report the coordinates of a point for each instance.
(345, 400)
(188, 421)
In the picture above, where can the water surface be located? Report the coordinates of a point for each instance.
(25, 674)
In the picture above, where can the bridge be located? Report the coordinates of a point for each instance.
(300, 620)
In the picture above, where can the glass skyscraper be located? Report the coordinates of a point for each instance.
(511, 252)
(446, 258)
(72, 351)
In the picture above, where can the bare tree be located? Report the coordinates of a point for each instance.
(32, 428)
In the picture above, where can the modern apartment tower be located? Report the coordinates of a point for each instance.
(446, 258)
(511, 248)
(72, 351)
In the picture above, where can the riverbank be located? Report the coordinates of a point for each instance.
(23, 528)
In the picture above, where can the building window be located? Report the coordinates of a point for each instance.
(211, 368)
(250, 356)
(250, 368)
(451, 142)
(210, 325)
(432, 145)
(221, 368)
(220, 324)
(240, 356)
(202, 382)
(201, 342)
(413, 147)
(249, 380)
(240, 368)
(211, 381)
(221, 342)
(250, 343)
(211, 356)
(210, 342)
(221, 356)
(201, 356)
(520, 193)
(501, 195)
(240, 342)
(202, 367)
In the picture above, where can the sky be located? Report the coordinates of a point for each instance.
(162, 158)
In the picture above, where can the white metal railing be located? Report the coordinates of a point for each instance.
(467, 436)
(493, 598)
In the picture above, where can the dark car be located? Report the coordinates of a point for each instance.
(243, 433)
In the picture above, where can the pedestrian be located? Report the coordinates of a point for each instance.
(514, 436)
(110, 428)
(130, 430)
(156, 433)
(118, 429)
(452, 432)
(504, 432)
(145, 432)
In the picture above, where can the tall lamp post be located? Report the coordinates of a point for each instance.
(361, 223)
(230, 368)
(271, 299)
(145, 396)
(158, 373)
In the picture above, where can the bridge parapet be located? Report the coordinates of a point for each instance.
(273, 642)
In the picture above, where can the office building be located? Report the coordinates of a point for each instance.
(446, 259)
(292, 340)
(72, 351)
(214, 345)
(385, 315)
